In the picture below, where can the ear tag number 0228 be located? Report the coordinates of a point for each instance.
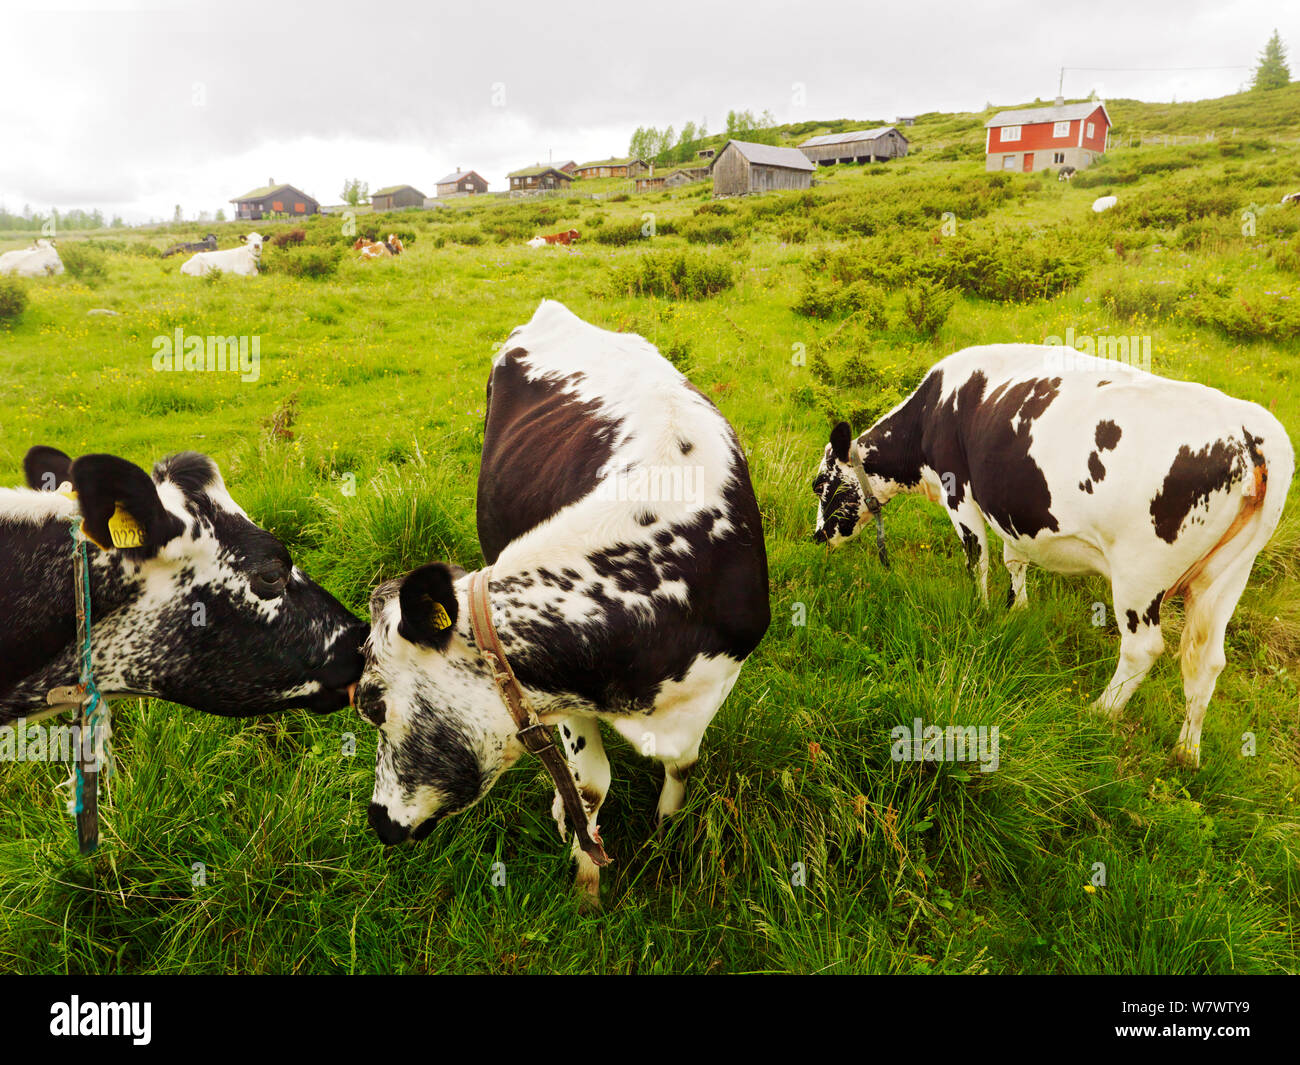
(124, 530)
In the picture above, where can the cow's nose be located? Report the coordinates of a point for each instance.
(820, 536)
(388, 830)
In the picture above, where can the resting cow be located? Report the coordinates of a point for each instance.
(569, 236)
(40, 260)
(207, 611)
(628, 583)
(1084, 465)
(242, 261)
(208, 243)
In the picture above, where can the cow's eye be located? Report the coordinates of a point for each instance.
(270, 580)
(819, 484)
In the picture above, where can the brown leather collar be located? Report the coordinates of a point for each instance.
(536, 737)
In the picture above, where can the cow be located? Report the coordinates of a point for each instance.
(208, 243)
(190, 601)
(1104, 203)
(569, 236)
(627, 577)
(1291, 197)
(537, 242)
(242, 261)
(379, 249)
(1066, 173)
(40, 260)
(1083, 465)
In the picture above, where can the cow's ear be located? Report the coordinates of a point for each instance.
(243, 239)
(46, 468)
(120, 507)
(429, 609)
(841, 436)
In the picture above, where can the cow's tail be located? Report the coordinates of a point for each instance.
(1259, 509)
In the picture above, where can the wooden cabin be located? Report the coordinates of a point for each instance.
(741, 168)
(538, 178)
(395, 197)
(273, 199)
(1046, 138)
(462, 183)
(615, 168)
(856, 146)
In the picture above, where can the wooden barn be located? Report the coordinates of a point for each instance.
(396, 197)
(856, 146)
(538, 178)
(1046, 138)
(741, 168)
(273, 199)
(685, 175)
(706, 153)
(616, 168)
(568, 166)
(462, 183)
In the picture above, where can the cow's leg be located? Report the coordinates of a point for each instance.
(973, 533)
(1137, 608)
(1017, 597)
(1206, 616)
(590, 768)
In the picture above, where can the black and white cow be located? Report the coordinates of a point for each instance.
(1085, 465)
(629, 583)
(209, 611)
(208, 243)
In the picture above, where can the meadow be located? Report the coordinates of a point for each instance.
(242, 846)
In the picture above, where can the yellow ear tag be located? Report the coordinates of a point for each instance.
(124, 530)
(440, 618)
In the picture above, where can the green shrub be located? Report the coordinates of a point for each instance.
(13, 299)
(706, 231)
(678, 275)
(86, 264)
(309, 261)
(926, 306)
(619, 234)
(467, 233)
(288, 236)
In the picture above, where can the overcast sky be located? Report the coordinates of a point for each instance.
(133, 108)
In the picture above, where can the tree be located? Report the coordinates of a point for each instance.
(178, 215)
(221, 214)
(1272, 71)
(355, 191)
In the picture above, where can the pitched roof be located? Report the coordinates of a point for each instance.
(1026, 116)
(769, 155)
(459, 175)
(266, 190)
(611, 161)
(530, 171)
(850, 137)
(394, 188)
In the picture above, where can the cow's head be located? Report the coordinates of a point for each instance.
(196, 604)
(445, 736)
(254, 243)
(841, 508)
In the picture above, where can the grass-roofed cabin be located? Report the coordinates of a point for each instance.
(274, 199)
(396, 197)
(538, 178)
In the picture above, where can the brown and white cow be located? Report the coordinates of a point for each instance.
(628, 584)
(1083, 465)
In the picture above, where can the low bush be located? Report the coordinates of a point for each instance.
(677, 275)
(13, 299)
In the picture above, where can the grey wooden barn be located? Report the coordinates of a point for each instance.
(741, 168)
(396, 197)
(856, 146)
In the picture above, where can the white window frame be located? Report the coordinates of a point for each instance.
(1010, 133)
(1058, 158)
(1061, 129)
(1009, 162)
(1090, 131)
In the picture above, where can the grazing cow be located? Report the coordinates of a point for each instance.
(1066, 173)
(1084, 465)
(1104, 203)
(208, 243)
(242, 261)
(40, 260)
(567, 237)
(1291, 197)
(628, 583)
(198, 605)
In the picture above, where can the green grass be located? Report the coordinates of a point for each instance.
(377, 376)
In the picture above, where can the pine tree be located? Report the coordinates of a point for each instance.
(1272, 71)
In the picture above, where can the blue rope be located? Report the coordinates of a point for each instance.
(94, 714)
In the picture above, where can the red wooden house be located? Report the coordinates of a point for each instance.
(1046, 138)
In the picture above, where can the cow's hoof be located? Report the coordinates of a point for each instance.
(1188, 758)
(1104, 709)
